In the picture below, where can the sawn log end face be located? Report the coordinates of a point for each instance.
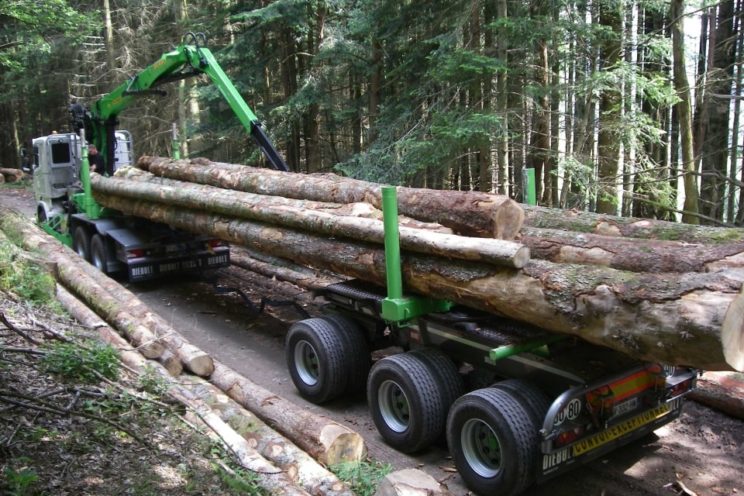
(732, 334)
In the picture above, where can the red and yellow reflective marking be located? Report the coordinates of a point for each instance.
(624, 388)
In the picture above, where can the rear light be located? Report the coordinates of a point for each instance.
(137, 253)
(568, 437)
(214, 243)
(680, 388)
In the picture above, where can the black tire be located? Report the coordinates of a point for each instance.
(357, 353)
(41, 215)
(406, 402)
(81, 242)
(445, 370)
(100, 253)
(531, 397)
(491, 438)
(314, 350)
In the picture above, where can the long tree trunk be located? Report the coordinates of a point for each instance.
(468, 213)
(308, 216)
(685, 114)
(632, 227)
(672, 318)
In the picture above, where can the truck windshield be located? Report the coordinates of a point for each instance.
(60, 153)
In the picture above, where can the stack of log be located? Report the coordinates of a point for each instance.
(289, 460)
(11, 175)
(672, 297)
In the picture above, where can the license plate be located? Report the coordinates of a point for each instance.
(619, 430)
(625, 407)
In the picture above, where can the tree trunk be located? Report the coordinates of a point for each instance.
(631, 254)
(631, 227)
(685, 114)
(672, 318)
(298, 275)
(325, 440)
(299, 467)
(468, 213)
(302, 215)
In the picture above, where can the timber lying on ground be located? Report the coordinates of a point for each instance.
(309, 216)
(466, 212)
(690, 319)
(11, 175)
(325, 440)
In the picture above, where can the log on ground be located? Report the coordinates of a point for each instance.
(11, 175)
(304, 215)
(468, 213)
(693, 319)
(298, 465)
(325, 440)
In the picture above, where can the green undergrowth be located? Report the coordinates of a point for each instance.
(85, 362)
(362, 477)
(21, 275)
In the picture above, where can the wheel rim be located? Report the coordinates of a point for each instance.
(307, 363)
(394, 406)
(80, 249)
(481, 448)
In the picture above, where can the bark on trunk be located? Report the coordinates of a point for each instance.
(298, 465)
(466, 212)
(631, 254)
(610, 225)
(304, 279)
(119, 306)
(11, 175)
(325, 440)
(722, 391)
(673, 318)
(304, 215)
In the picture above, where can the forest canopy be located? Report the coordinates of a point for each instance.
(623, 107)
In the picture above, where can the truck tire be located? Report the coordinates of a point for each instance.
(532, 398)
(406, 402)
(100, 253)
(491, 437)
(314, 349)
(444, 368)
(81, 242)
(357, 353)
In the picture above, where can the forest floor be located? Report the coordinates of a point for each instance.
(702, 452)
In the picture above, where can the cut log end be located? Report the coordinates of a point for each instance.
(732, 334)
(342, 445)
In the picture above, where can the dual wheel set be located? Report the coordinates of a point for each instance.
(93, 248)
(416, 399)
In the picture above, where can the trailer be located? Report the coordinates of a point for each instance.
(517, 405)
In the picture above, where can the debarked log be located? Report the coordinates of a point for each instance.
(307, 216)
(468, 213)
(690, 319)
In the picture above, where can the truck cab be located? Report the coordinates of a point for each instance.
(114, 243)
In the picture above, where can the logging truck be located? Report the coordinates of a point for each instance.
(517, 405)
(115, 243)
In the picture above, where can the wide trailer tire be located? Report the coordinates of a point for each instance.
(314, 349)
(407, 402)
(491, 436)
(100, 253)
(81, 242)
(357, 355)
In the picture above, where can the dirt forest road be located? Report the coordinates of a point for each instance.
(704, 450)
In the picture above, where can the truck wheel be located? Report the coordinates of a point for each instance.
(81, 242)
(449, 379)
(531, 397)
(491, 437)
(357, 355)
(406, 402)
(41, 215)
(99, 253)
(314, 350)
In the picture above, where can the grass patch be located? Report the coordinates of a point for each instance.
(73, 362)
(362, 477)
(25, 278)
